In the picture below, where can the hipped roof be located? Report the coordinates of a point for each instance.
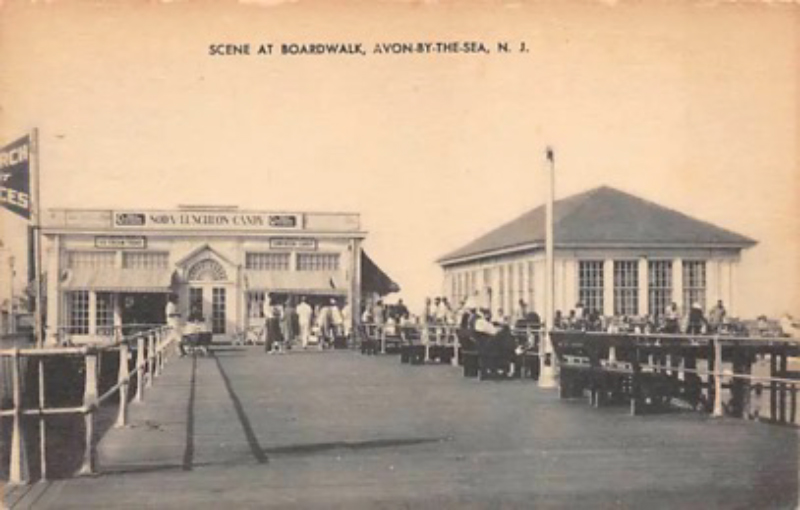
(601, 217)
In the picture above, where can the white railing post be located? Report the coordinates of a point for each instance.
(151, 350)
(18, 470)
(90, 405)
(124, 374)
(42, 422)
(140, 368)
(717, 376)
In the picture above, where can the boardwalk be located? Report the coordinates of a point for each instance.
(340, 430)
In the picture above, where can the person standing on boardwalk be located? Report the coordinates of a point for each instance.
(696, 320)
(304, 313)
(288, 321)
(716, 317)
(337, 321)
(174, 321)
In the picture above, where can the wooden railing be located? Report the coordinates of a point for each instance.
(435, 335)
(675, 356)
(152, 349)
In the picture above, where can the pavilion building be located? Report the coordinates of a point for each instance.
(614, 252)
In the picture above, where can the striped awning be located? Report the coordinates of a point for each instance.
(113, 279)
(305, 282)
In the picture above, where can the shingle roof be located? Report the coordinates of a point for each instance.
(602, 216)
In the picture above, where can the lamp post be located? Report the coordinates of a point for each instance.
(547, 372)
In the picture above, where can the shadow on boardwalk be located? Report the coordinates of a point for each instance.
(338, 430)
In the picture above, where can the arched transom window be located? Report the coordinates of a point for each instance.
(207, 270)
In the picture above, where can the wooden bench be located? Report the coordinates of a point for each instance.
(584, 367)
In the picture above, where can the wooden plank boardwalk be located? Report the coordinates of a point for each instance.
(242, 429)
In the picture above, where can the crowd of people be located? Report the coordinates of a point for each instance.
(296, 323)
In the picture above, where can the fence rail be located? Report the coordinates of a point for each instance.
(152, 348)
(676, 355)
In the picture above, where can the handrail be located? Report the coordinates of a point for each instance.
(781, 380)
(442, 334)
(152, 350)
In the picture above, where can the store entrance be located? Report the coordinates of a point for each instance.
(142, 310)
(208, 303)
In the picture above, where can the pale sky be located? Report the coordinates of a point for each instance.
(693, 106)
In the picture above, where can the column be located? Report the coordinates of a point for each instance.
(608, 287)
(54, 296)
(570, 283)
(354, 297)
(677, 283)
(644, 282)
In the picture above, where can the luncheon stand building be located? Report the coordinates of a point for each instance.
(107, 270)
(614, 253)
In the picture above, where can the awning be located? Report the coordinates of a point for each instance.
(373, 279)
(296, 282)
(113, 279)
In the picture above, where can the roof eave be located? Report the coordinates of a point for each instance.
(449, 261)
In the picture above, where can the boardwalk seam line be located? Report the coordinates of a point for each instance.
(188, 452)
(252, 440)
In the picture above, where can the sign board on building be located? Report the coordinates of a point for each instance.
(205, 220)
(15, 177)
(292, 243)
(120, 242)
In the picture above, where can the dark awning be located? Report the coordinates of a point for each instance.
(373, 279)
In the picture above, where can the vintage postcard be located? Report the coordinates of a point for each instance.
(399, 254)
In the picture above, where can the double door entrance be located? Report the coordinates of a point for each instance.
(209, 302)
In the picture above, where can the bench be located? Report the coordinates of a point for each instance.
(585, 367)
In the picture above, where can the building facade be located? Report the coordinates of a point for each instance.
(614, 253)
(106, 269)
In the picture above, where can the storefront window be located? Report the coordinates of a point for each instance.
(77, 302)
(255, 304)
(317, 261)
(104, 313)
(145, 260)
(93, 259)
(267, 261)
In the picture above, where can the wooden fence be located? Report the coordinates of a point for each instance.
(151, 348)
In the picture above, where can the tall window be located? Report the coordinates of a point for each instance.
(78, 312)
(255, 304)
(267, 261)
(145, 260)
(218, 310)
(659, 286)
(317, 261)
(195, 302)
(104, 313)
(454, 284)
(590, 284)
(694, 283)
(93, 259)
(626, 287)
(521, 281)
